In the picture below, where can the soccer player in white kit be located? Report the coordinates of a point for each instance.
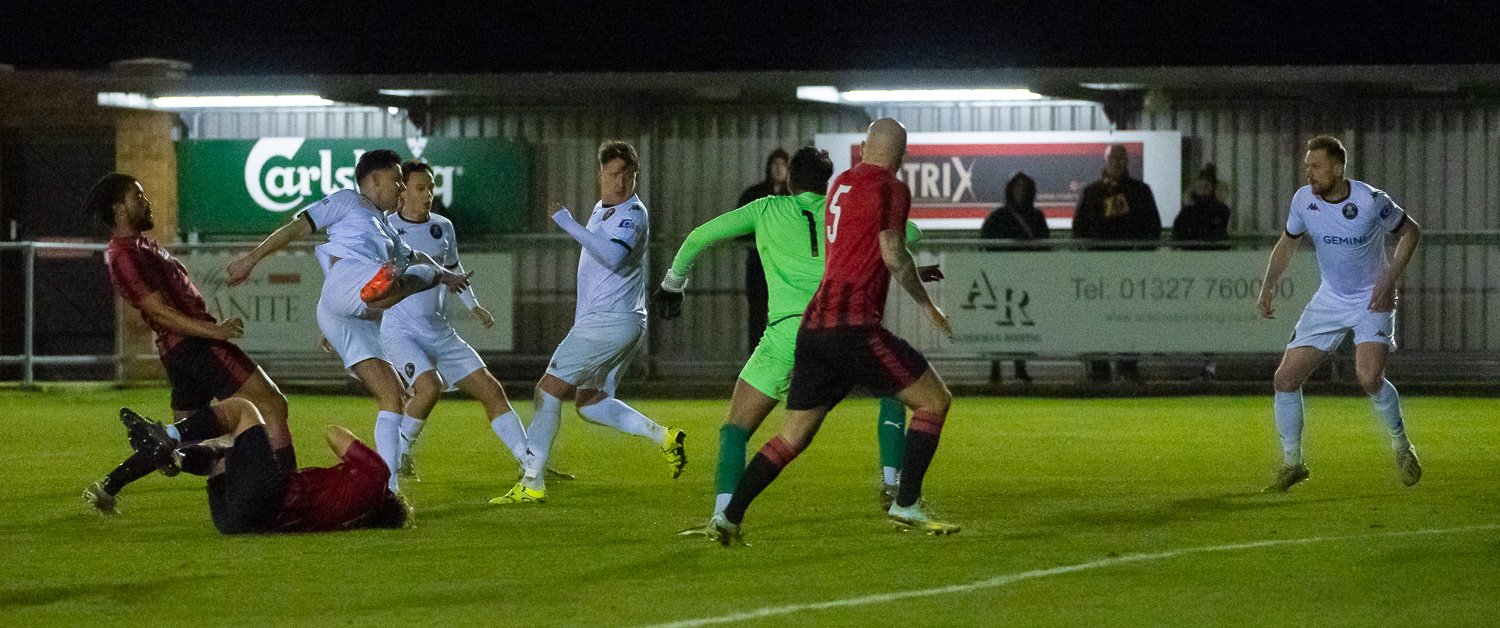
(420, 341)
(609, 324)
(366, 268)
(1348, 221)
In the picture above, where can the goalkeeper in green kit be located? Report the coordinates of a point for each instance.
(789, 238)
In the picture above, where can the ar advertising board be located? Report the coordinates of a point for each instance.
(957, 178)
(1166, 301)
(279, 302)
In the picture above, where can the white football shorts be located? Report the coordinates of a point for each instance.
(1327, 320)
(594, 353)
(350, 327)
(413, 354)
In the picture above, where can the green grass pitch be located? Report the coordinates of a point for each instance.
(1107, 491)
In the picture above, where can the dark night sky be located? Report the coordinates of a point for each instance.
(233, 37)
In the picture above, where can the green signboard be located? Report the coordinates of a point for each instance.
(253, 186)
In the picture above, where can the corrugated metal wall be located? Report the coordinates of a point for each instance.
(1439, 158)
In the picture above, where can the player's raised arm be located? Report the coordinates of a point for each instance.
(667, 299)
(300, 227)
(609, 252)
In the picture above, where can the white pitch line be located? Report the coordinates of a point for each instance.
(1000, 581)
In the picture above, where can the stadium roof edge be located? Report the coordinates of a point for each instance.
(1102, 83)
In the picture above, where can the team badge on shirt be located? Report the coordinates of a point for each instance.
(411, 369)
(1350, 210)
(607, 213)
(436, 231)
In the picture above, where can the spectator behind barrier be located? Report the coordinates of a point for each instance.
(1117, 207)
(1016, 219)
(1204, 218)
(756, 292)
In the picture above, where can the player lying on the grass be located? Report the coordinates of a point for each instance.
(841, 342)
(609, 325)
(366, 268)
(788, 240)
(1349, 221)
(251, 491)
(427, 352)
(200, 362)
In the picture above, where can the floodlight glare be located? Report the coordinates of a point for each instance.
(828, 93)
(263, 100)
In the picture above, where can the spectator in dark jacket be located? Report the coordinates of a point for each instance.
(1205, 218)
(1117, 207)
(756, 293)
(1017, 219)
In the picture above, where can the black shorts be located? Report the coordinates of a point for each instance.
(830, 362)
(247, 497)
(201, 370)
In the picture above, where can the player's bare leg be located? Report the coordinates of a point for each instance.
(1296, 365)
(381, 380)
(1369, 368)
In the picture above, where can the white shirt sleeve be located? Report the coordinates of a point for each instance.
(629, 229)
(1294, 225)
(327, 211)
(1389, 212)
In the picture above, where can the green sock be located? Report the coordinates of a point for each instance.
(732, 442)
(892, 432)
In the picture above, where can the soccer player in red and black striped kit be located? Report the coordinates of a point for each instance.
(251, 490)
(842, 344)
(201, 363)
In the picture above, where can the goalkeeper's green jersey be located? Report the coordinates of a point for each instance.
(789, 238)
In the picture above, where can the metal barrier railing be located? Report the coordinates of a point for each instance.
(28, 359)
(1452, 307)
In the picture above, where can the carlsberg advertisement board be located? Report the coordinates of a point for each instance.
(254, 186)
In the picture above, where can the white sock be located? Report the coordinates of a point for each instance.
(388, 442)
(614, 413)
(545, 421)
(1387, 405)
(411, 428)
(891, 475)
(508, 427)
(721, 501)
(1289, 425)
